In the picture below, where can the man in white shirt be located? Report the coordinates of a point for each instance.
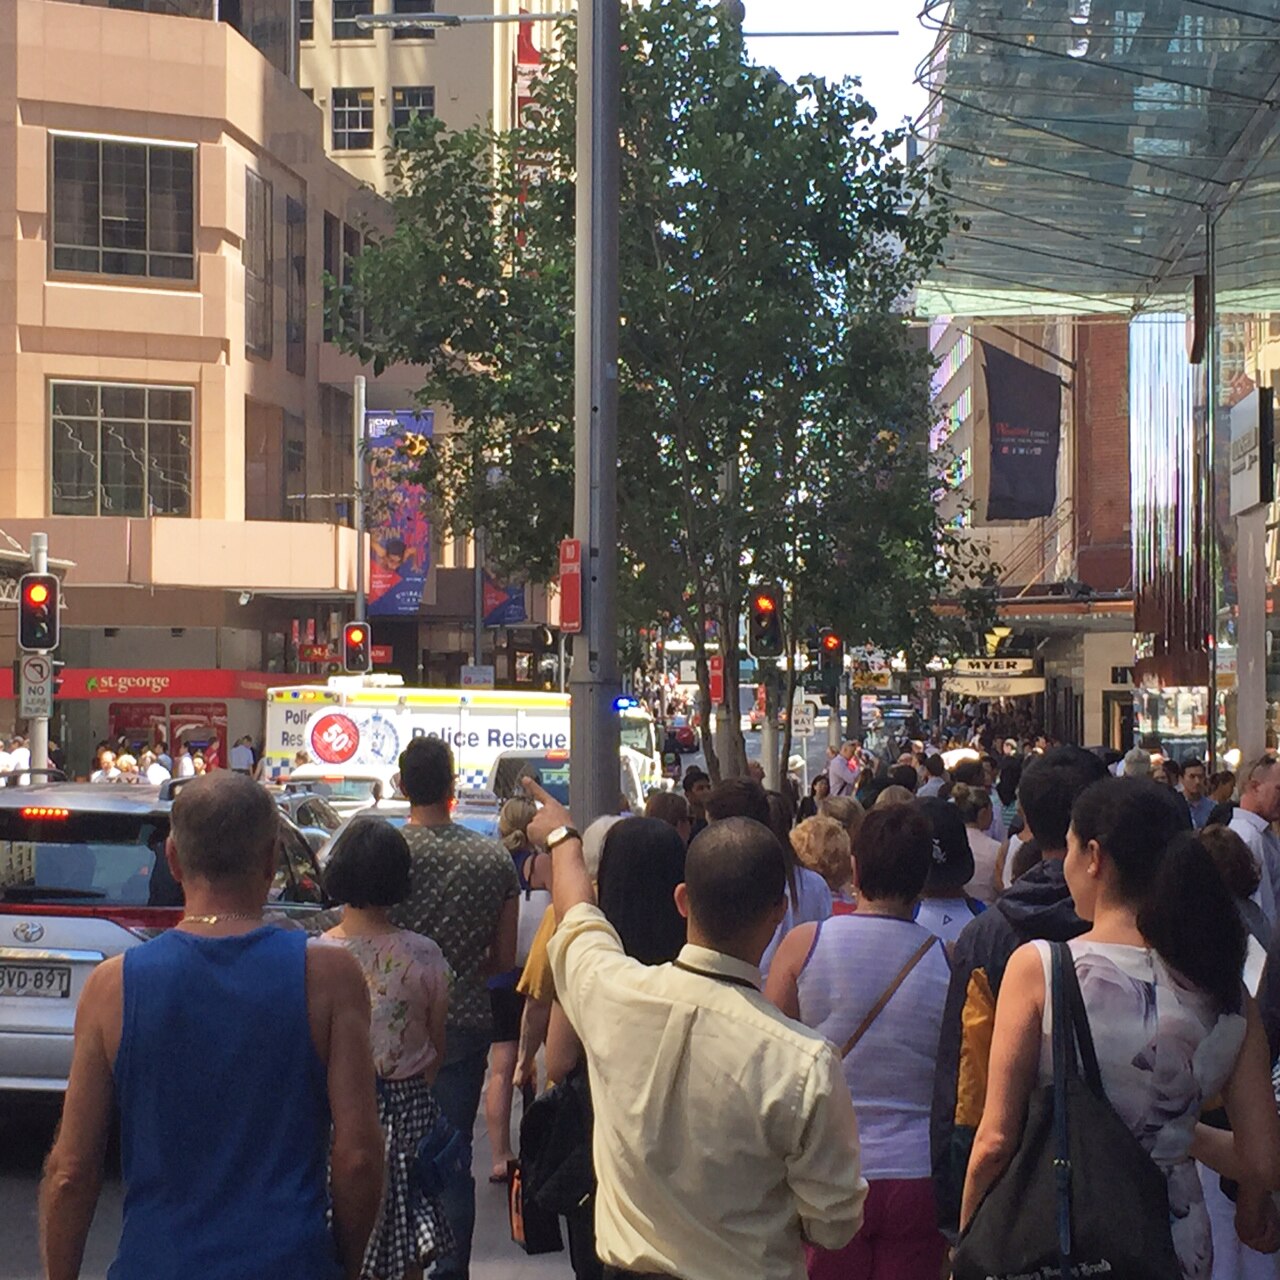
(1259, 807)
(152, 770)
(20, 762)
(186, 767)
(724, 1132)
(935, 776)
(106, 770)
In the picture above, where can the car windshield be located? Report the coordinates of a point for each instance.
(552, 774)
(97, 857)
(345, 789)
(636, 732)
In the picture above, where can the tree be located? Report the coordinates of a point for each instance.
(773, 408)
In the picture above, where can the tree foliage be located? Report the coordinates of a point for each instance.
(773, 404)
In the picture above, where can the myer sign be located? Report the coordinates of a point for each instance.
(994, 666)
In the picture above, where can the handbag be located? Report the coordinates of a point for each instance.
(441, 1158)
(555, 1146)
(1081, 1197)
(532, 1228)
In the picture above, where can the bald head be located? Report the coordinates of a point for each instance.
(225, 827)
(735, 876)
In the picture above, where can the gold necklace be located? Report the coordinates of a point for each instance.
(223, 915)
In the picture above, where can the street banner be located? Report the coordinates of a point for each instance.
(396, 511)
(1024, 405)
(504, 605)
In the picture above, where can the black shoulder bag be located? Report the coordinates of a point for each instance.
(1080, 1197)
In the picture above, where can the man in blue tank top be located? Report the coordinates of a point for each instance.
(233, 1049)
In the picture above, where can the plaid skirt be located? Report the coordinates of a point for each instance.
(411, 1230)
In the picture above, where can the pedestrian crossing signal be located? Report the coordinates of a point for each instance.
(357, 652)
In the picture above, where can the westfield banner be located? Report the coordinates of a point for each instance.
(1024, 404)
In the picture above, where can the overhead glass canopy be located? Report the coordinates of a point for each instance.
(1086, 141)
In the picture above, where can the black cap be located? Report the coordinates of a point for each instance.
(952, 866)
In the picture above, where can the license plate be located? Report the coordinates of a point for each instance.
(48, 981)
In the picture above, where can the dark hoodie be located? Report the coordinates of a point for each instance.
(1038, 906)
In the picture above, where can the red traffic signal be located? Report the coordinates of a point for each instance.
(764, 623)
(357, 651)
(830, 651)
(38, 612)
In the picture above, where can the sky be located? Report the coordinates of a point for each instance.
(886, 65)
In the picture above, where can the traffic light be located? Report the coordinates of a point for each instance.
(38, 611)
(357, 654)
(830, 651)
(830, 663)
(764, 623)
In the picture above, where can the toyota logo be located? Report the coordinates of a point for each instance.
(28, 931)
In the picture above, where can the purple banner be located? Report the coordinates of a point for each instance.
(1025, 407)
(399, 529)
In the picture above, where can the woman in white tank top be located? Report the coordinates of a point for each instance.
(835, 977)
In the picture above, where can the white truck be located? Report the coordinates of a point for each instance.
(361, 721)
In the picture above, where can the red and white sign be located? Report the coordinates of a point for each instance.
(97, 682)
(380, 655)
(334, 738)
(571, 586)
(315, 653)
(715, 667)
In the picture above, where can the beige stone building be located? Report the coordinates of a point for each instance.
(370, 82)
(171, 411)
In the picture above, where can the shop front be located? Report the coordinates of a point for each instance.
(206, 709)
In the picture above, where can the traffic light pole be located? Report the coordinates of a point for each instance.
(38, 726)
(593, 680)
(357, 487)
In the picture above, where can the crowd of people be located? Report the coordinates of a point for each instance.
(794, 1034)
(157, 763)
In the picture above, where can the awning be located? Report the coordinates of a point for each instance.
(1084, 141)
(993, 686)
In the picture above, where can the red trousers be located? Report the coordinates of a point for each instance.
(899, 1239)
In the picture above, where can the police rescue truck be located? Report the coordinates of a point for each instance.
(364, 722)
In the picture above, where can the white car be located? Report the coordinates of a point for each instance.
(351, 789)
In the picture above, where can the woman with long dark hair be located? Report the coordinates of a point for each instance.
(1160, 971)
(640, 867)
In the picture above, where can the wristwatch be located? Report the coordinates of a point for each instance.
(560, 835)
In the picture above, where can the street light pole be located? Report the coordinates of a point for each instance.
(593, 679)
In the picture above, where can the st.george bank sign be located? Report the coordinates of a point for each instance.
(99, 682)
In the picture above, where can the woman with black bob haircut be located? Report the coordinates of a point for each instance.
(408, 981)
(640, 866)
(1160, 972)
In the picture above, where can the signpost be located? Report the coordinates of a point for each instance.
(802, 721)
(478, 677)
(571, 586)
(715, 667)
(35, 686)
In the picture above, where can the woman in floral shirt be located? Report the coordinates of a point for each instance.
(408, 981)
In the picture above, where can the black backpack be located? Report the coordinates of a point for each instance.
(1081, 1197)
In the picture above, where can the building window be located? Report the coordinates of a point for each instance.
(345, 13)
(332, 257)
(123, 208)
(306, 19)
(353, 119)
(406, 8)
(120, 449)
(295, 298)
(256, 253)
(409, 101)
(352, 248)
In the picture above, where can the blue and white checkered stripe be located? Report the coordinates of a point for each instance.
(473, 779)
